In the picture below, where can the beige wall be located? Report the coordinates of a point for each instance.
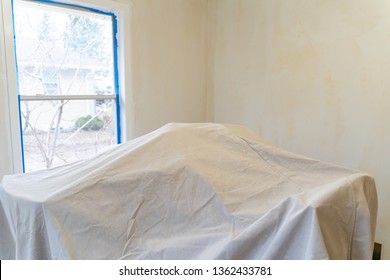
(168, 62)
(310, 76)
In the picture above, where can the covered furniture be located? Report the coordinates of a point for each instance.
(190, 191)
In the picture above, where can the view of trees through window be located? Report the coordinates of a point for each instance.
(66, 82)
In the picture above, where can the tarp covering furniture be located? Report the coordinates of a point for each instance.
(190, 191)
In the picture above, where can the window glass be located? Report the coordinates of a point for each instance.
(78, 136)
(66, 80)
(61, 45)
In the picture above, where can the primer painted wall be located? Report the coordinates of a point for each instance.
(310, 76)
(168, 62)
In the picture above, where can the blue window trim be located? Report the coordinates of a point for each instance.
(116, 70)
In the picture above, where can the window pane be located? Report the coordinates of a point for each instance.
(60, 132)
(67, 52)
(63, 51)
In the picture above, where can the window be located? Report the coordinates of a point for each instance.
(67, 82)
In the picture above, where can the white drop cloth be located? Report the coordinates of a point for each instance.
(190, 191)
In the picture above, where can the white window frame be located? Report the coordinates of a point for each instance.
(10, 119)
